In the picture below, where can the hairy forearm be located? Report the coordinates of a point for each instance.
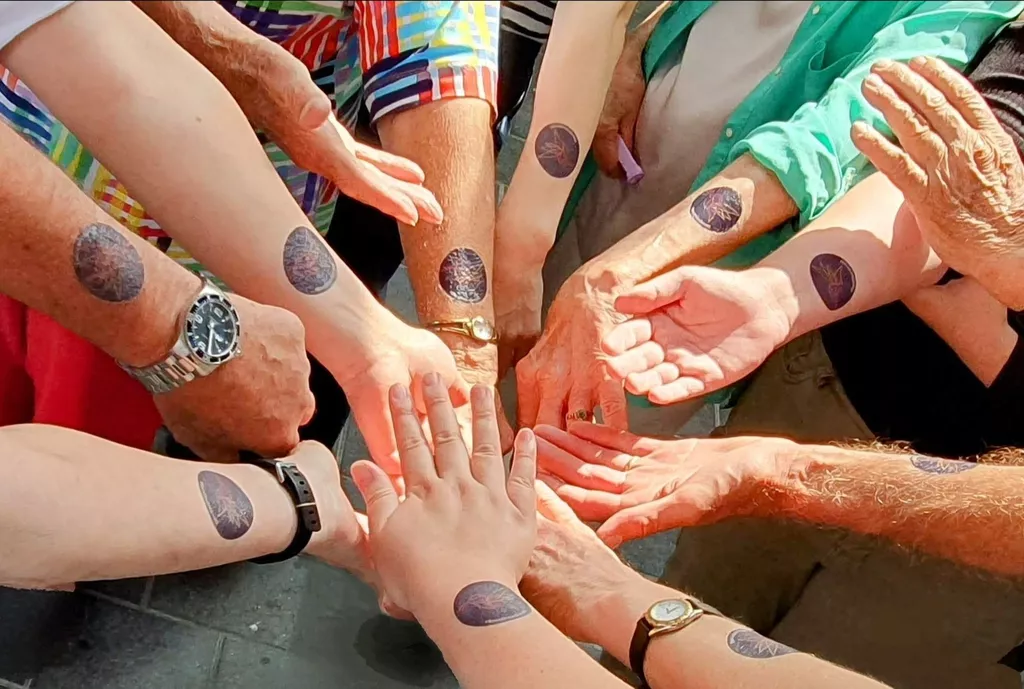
(712, 652)
(114, 512)
(734, 207)
(450, 265)
(863, 253)
(966, 512)
(585, 42)
(62, 255)
(177, 140)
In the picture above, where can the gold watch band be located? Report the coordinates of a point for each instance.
(477, 328)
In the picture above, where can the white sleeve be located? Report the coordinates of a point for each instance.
(19, 16)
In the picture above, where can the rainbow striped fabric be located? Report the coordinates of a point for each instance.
(389, 55)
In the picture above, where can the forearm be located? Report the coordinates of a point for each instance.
(734, 207)
(62, 255)
(78, 508)
(585, 42)
(177, 140)
(712, 652)
(863, 253)
(527, 652)
(450, 265)
(969, 513)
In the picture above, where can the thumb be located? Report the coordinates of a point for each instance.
(639, 522)
(655, 293)
(378, 492)
(553, 507)
(313, 105)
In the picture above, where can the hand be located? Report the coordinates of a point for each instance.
(621, 108)
(518, 299)
(571, 571)
(461, 520)
(394, 354)
(960, 172)
(478, 364)
(695, 330)
(565, 373)
(256, 401)
(642, 486)
(280, 98)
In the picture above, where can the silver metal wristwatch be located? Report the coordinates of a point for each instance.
(210, 337)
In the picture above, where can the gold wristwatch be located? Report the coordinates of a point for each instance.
(477, 328)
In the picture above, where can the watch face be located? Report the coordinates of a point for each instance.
(668, 611)
(482, 330)
(211, 329)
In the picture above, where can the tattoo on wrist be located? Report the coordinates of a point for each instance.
(308, 263)
(107, 264)
(833, 279)
(557, 150)
(228, 505)
(717, 209)
(932, 465)
(463, 276)
(487, 603)
(750, 644)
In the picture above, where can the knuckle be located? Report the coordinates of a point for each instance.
(411, 442)
(487, 450)
(445, 437)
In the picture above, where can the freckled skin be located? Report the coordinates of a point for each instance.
(557, 150)
(487, 603)
(228, 505)
(308, 264)
(833, 279)
(750, 644)
(107, 264)
(463, 276)
(941, 466)
(717, 209)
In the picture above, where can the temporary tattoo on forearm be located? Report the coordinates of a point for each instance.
(717, 209)
(750, 644)
(485, 603)
(107, 264)
(833, 279)
(308, 263)
(941, 466)
(463, 276)
(229, 507)
(557, 150)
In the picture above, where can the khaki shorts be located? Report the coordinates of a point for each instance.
(909, 620)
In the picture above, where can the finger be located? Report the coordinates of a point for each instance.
(605, 436)
(927, 100)
(575, 471)
(914, 134)
(587, 451)
(643, 382)
(890, 160)
(612, 399)
(606, 149)
(655, 293)
(523, 475)
(370, 187)
(625, 336)
(679, 391)
(646, 520)
(641, 358)
(417, 462)
(377, 491)
(553, 507)
(527, 390)
(589, 505)
(450, 455)
(579, 406)
(958, 91)
(390, 164)
(426, 203)
(486, 463)
(552, 407)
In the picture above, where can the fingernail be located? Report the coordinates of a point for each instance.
(400, 396)
(436, 207)
(525, 441)
(919, 61)
(874, 81)
(860, 127)
(884, 63)
(480, 394)
(360, 476)
(432, 379)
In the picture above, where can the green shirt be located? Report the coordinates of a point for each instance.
(796, 123)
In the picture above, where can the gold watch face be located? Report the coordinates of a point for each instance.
(668, 612)
(481, 329)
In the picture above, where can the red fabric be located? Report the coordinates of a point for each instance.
(50, 375)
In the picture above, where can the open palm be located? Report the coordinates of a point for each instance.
(694, 330)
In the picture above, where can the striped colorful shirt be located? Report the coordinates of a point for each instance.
(390, 56)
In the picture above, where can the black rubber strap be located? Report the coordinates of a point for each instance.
(294, 481)
(638, 650)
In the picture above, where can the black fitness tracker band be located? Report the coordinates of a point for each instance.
(295, 482)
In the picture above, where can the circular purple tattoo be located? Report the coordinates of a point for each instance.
(486, 603)
(717, 209)
(229, 507)
(107, 264)
(463, 276)
(308, 263)
(941, 466)
(834, 280)
(557, 150)
(750, 644)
